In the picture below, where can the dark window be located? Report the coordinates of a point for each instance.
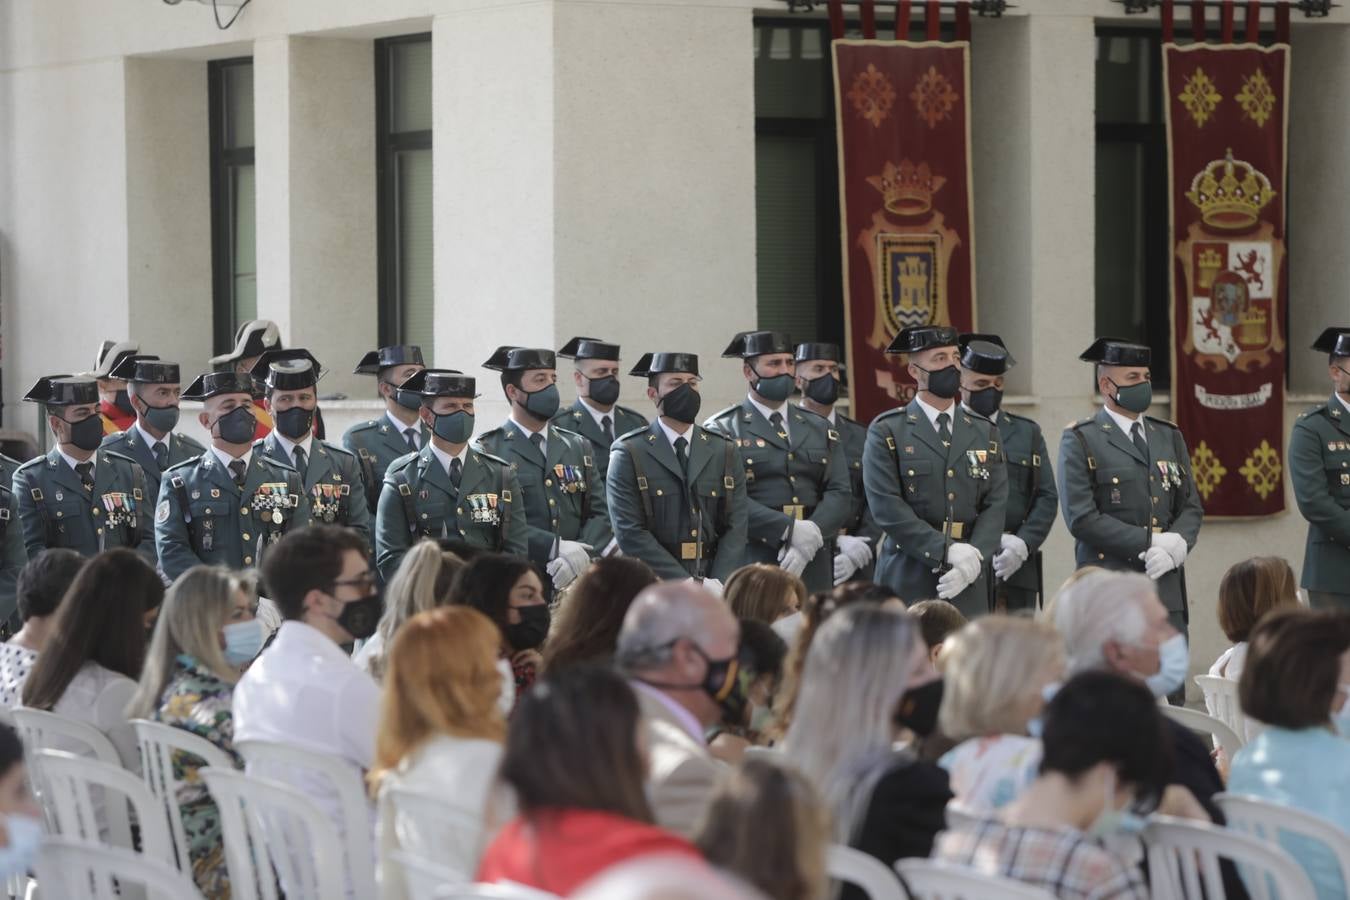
(233, 221)
(404, 161)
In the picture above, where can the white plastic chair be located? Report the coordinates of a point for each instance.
(436, 831)
(929, 879)
(1198, 721)
(77, 786)
(270, 826)
(960, 817)
(423, 879)
(1221, 696)
(159, 744)
(281, 761)
(492, 892)
(867, 873)
(1184, 855)
(67, 868)
(1268, 821)
(42, 730)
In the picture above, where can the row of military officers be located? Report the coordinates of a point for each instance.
(948, 496)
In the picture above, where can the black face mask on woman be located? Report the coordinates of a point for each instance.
(531, 630)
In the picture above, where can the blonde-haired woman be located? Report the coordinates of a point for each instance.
(441, 733)
(206, 634)
(422, 582)
(997, 673)
(764, 593)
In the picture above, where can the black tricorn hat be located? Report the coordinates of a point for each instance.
(383, 358)
(110, 354)
(749, 344)
(923, 337)
(63, 390)
(1116, 352)
(254, 338)
(589, 348)
(293, 377)
(985, 353)
(146, 370)
(664, 363)
(440, 383)
(817, 351)
(213, 384)
(518, 359)
(1335, 341)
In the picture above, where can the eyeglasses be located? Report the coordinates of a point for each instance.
(365, 579)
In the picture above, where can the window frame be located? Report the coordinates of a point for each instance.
(223, 160)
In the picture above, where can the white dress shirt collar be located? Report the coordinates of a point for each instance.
(402, 430)
(446, 457)
(289, 445)
(596, 414)
(1125, 424)
(766, 411)
(149, 439)
(529, 432)
(932, 412)
(73, 462)
(672, 435)
(1344, 402)
(226, 459)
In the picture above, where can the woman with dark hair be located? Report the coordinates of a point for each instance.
(576, 763)
(586, 628)
(508, 590)
(89, 667)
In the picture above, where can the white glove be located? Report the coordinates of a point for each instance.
(806, 538)
(792, 561)
(712, 585)
(1174, 544)
(569, 562)
(844, 567)
(1157, 562)
(965, 568)
(1009, 559)
(852, 555)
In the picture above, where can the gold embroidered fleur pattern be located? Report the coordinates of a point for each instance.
(1262, 469)
(1206, 469)
(1256, 98)
(872, 95)
(1200, 97)
(934, 97)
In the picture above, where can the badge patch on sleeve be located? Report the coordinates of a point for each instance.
(162, 512)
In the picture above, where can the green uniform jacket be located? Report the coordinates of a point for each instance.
(418, 500)
(680, 524)
(1033, 502)
(915, 486)
(1114, 500)
(332, 483)
(562, 495)
(57, 511)
(13, 553)
(576, 418)
(131, 443)
(860, 522)
(204, 517)
(806, 469)
(376, 445)
(1319, 464)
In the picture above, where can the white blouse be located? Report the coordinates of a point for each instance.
(99, 697)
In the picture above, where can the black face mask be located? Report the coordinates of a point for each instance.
(359, 617)
(681, 404)
(605, 390)
(295, 422)
(123, 402)
(728, 682)
(986, 402)
(87, 434)
(823, 390)
(918, 709)
(531, 630)
(237, 426)
(407, 399)
(944, 383)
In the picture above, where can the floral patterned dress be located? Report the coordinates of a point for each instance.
(197, 701)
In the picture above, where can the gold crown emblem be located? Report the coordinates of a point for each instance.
(1230, 193)
(907, 189)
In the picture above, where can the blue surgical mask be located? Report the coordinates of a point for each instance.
(1174, 661)
(243, 640)
(1108, 820)
(25, 837)
(1036, 725)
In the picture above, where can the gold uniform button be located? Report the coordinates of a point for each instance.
(98, 530)
(552, 502)
(59, 513)
(951, 473)
(243, 510)
(790, 456)
(693, 532)
(1115, 480)
(951, 496)
(248, 560)
(658, 493)
(548, 482)
(245, 536)
(927, 556)
(1101, 556)
(909, 472)
(795, 500)
(790, 478)
(424, 515)
(459, 511)
(1155, 520)
(97, 511)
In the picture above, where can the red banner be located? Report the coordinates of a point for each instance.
(903, 117)
(1227, 124)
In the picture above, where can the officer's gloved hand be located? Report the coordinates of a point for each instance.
(806, 539)
(965, 568)
(569, 562)
(1174, 544)
(1012, 553)
(712, 585)
(1157, 562)
(792, 561)
(852, 555)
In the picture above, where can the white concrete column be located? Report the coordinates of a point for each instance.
(314, 121)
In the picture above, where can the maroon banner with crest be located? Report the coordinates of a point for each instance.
(903, 118)
(1227, 124)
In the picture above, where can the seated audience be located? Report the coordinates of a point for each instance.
(1248, 591)
(763, 652)
(41, 584)
(680, 645)
(88, 669)
(441, 735)
(20, 818)
(996, 672)
(574, 761)
(205, 635)
(508, 590)
(1105, 758)
(938, 620)
(421, 582)
(767, 826)
(864, 663)
(587, 620)
(1297, 681)
(764, 593)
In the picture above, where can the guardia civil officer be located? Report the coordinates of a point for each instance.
(1033, 501)
(379, 441)
(1125, 482)
(596, 415)
(253, 338)
(79, 496)
(562, 493)
(114, 405)
(228, 505)
(1319, 465)
(154, 390)
(796, 471)
(330, 476)
(677, 491)
(13, 554)
(935, 481)
(447, 489)
(819, 379)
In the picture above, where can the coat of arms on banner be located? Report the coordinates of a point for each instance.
(1231, 259)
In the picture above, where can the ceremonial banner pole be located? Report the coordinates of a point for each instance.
(907, 224)
(1227, 127)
